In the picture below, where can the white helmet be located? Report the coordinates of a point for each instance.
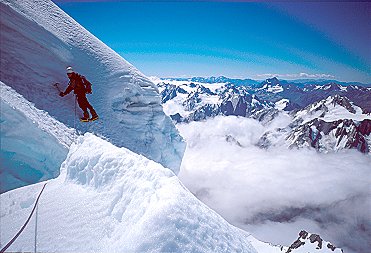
(69, 70)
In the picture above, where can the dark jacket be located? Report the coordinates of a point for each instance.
(77, 85)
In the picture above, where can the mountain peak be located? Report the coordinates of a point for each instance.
(308, 242)
(341, 101)
(273, 80)
(331, 109)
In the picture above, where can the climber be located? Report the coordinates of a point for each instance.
(80, 87)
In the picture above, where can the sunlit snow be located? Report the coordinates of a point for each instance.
(38, 41)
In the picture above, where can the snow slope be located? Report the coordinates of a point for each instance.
(33, 144)
(109, 199)
(38, 41)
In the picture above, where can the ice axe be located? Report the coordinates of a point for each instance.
(57, 87)
(60, 91)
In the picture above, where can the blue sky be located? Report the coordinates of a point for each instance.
(239, 39)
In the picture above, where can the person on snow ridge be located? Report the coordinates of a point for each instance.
(80, 87)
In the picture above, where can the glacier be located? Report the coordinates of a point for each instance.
(33, 144)
(38, 41)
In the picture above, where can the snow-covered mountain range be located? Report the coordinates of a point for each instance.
(334, 123)
(326, 116)
(251, 152)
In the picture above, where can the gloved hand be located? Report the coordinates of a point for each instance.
(61, 94)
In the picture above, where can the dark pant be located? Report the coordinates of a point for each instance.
(84, 105)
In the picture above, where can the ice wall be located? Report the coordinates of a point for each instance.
(33, 144)
(38, 41)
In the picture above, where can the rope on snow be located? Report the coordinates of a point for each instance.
(25, 224)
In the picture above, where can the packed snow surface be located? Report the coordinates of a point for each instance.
(38, 41)
(33, 144)
(109, 199)
(106, 199)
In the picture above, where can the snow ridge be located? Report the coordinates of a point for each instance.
(109, 199)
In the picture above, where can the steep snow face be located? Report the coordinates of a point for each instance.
(109, 199)
(33, 144)
(38, 41)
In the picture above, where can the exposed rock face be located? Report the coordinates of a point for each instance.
(334, 123)
(336, 135)
(308, 242)
(313, 238)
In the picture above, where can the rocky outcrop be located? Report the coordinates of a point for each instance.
(312, 243)
(340, 134)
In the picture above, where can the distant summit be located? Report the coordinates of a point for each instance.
(273, 80)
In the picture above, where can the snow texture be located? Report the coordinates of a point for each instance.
(106, 199)
(38, 41)
(33, 144)
(109, 199)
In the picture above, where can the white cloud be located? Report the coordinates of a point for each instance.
(293, 189)
(296, 76)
